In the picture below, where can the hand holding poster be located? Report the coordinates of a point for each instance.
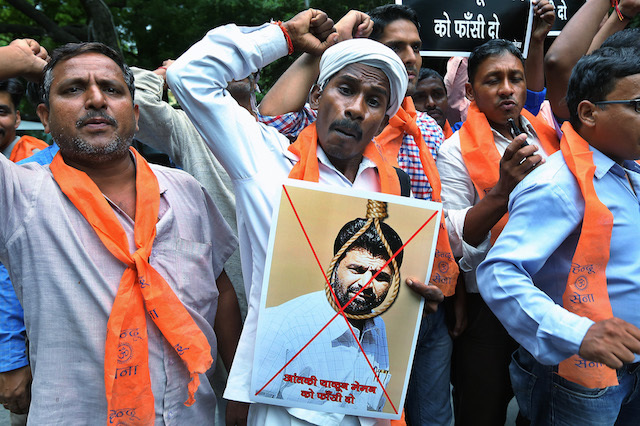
(338, 325)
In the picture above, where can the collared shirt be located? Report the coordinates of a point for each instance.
(68, 296)
(254, 155)
(459, 195)
(291, 124)
(525, 273)
(334, 355)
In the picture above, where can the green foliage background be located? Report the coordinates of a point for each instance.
(151, 31)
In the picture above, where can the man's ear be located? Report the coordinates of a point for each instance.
(18, 118)
(587, 113)
(314, 97)
(43, 114)
(384, 124)
(136, 113)
(468, 88)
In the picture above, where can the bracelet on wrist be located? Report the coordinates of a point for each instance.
(286, 35)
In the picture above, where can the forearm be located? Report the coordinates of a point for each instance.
(290, 92)
(572, 43)
(482, 217)
(611, 26)
(534, 66)
(228, 323)
(198, 79)
(160, 125)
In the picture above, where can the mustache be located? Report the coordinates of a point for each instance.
(96, 114)
(367, 293)
(412, 69)
(349, 125)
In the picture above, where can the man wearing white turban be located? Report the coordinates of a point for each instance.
(353, 105)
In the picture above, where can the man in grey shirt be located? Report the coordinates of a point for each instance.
(68, 302)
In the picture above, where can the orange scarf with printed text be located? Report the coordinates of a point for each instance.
(141, 291)
(481, 156)
(586, 293)
(25, 147)
(445, 269)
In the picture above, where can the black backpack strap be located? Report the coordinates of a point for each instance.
(405, 182)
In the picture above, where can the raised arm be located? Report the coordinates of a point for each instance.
(572, 43)
(543, 18)
(198, 79)
(629, 9)
(290, 92)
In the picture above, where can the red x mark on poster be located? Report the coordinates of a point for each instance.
(341, 310)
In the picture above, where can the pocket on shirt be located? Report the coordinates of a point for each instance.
(196, 278)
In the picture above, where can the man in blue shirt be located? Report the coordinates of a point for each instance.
(538, 289)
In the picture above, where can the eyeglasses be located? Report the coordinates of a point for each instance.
(634, 102)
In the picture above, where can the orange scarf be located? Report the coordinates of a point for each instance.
(25, 147)
(591, 255)
(141, 289)
(445, 269)
(305, 147)
(448, 131)
(481, 156)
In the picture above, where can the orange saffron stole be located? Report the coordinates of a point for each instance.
(481, 156)
(448, 131)
(141, 289)
(25, 147)
(445, 269)
(592, 254)
(305, 147)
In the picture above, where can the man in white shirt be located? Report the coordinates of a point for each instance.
(363, 84)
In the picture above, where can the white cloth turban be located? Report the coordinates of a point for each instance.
(367, 52)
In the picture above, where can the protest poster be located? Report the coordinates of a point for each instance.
(565, 9)
(456, 27)
(337, 324)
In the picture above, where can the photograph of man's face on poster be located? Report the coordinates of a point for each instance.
(337, 325)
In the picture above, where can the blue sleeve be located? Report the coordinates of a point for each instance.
(535, 100)
(524, 276)
(13, 350)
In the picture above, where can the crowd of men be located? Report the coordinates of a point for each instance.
(124, 281)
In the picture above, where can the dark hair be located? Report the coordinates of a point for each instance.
(388, 13)
(597, 74)
(629, 37)
(15, 89)
(431, 73)
(369, 241)
(71, 50)
(494, 47)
